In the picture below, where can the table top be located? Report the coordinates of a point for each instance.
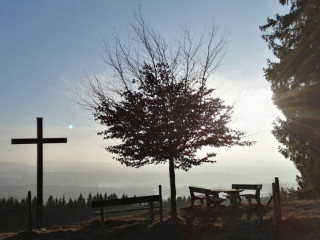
(227, 190)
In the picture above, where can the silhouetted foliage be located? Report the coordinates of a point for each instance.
(284, 2)
(295, 81)
(159, 105)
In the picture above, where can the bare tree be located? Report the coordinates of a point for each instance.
(157, 102)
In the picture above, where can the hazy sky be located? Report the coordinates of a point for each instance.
(45, 46)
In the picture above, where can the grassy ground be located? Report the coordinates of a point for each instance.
(301, 220)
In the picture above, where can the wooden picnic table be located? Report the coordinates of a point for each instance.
(233, 193)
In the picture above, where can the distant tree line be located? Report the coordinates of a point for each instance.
(58, 211)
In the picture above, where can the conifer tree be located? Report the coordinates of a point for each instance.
(294, 39)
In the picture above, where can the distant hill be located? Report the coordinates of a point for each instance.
(18, 178)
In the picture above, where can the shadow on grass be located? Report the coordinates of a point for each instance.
(193, 223)
(297, 227)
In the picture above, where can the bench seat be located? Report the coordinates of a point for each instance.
(217, 200)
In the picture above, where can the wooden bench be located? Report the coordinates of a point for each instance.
(127, 201)
(205, 194)
(249, 197)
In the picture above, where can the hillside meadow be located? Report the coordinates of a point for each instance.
(300, 220)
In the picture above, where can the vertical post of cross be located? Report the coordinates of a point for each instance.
(39, 172)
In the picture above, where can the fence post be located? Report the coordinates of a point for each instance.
(277, 185)
(30, 211)
(102, 214)
(276, 204)
(151, 211)
(160, 203)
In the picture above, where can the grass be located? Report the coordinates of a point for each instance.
(301, 220)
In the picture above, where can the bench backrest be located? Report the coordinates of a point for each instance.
(198, 190)
(131, 200)
(256, 187)
(125, 201)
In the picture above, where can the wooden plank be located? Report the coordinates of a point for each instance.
(125, 201)
(35, 140)
(54, 140)
(24, 141)
(199, 190)
(126, 210)
(247, 186)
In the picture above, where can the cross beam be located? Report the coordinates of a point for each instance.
(33, 141)
(39, 141)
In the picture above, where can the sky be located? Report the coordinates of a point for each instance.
(46, 46)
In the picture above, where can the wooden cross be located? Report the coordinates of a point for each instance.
(39, 141)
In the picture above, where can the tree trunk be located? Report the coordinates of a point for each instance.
(173, 190)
